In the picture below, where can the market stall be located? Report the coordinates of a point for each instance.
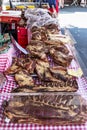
(44, 88)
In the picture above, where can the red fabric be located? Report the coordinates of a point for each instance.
(51, 10)
(57, 6)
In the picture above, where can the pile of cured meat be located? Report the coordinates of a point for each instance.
(44, 69)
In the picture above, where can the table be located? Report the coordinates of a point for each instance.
(10, 126)
(37, 127)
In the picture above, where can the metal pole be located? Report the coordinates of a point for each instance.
(40, 3)
(0, 3)
(10, 4)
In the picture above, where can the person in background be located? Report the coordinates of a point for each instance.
(57, 6)
(53, 6)
(79, 2)
(61, 3)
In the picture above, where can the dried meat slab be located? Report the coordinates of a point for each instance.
(52, 108)
(59, 86)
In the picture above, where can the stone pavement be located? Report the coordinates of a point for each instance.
(75, 19)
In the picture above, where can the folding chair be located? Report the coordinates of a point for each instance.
(84, 3)
(75, 2)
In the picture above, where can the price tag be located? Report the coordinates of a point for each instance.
(77, 73)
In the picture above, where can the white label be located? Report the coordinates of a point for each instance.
(7, 120)
(13, 26)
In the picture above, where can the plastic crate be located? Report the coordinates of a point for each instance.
(8, 19)
(10, 16)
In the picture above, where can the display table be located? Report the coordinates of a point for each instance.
(5, 95)
(10, 83)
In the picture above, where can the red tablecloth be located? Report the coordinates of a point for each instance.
(10, 83)
(37, 127)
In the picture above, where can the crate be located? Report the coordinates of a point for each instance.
(22, 36)
(10, 16)
(7, 19)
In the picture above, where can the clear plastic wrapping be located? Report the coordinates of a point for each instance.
(35, 12)
(74, 51)
(44, 108)
(39, 17)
